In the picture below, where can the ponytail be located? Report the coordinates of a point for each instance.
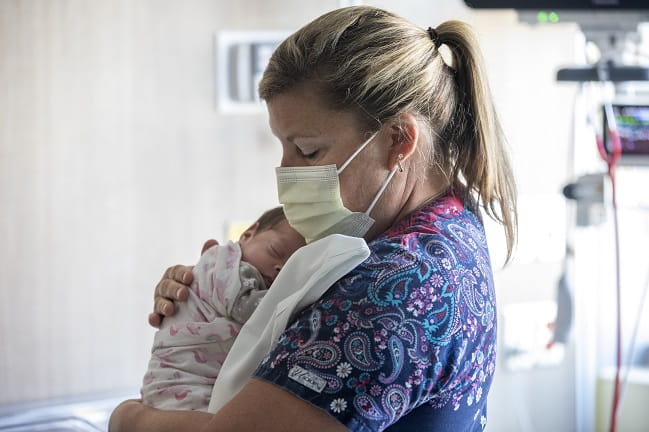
(479, 155)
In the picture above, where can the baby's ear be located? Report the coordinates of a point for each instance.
(249, 232)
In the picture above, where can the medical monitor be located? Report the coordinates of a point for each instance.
(560, 4)
(591, 15)
(633, 127)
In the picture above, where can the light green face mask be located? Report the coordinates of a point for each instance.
(312, 202)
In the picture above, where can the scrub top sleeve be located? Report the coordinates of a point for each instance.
(346, 357)
(315, 372)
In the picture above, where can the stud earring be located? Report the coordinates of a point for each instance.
(399, 158)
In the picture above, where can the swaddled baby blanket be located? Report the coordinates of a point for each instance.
(191, 345)
(307, 274)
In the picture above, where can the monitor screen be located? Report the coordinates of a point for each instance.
(560, 4)
(633, 126)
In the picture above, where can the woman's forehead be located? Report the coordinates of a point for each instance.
(294, 112)
(302, 112)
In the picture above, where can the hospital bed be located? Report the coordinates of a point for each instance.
(82, 414)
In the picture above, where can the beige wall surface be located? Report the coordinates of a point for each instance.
(114, 164)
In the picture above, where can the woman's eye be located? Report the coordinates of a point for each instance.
(311, 155)
(307, 150)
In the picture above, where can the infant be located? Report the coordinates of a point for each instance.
(229, 282)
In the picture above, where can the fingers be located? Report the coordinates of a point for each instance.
(155, 320)
(174, 283)
(208, 244)
(179, 273)
(161, 308)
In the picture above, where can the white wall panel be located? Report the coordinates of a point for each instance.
(114, 164)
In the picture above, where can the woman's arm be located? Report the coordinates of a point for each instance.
(133, 416)
(262, 406)
(259, 406)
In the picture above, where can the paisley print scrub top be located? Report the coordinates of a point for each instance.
(407, 340)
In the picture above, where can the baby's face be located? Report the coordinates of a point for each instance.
(268, 250)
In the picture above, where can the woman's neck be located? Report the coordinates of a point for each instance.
(408, 196)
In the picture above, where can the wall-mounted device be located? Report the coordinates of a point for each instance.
(611, 25)
(589, 14)
(241, 57)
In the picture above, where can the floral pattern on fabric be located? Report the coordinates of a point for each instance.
(410, 330)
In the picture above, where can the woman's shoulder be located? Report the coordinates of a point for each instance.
(417, 266)
(440, 231)
(412, 326)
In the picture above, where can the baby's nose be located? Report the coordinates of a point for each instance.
(278, 267)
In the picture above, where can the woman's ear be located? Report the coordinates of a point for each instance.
(249, 232)
(404, 132)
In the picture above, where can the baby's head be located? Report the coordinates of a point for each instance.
(269, 242)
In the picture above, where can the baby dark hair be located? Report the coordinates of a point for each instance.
(270, 218)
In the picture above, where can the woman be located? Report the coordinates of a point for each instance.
(407, 340)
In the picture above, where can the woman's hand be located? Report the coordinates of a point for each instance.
(174, 285)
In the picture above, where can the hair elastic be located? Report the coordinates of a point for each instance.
(434, 36)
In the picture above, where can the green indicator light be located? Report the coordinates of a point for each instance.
(542, 17)
(553, 17)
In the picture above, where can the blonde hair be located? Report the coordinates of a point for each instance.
(379, 66)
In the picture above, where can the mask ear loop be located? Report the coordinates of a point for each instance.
(348, 161)
(380, 192)
(385, 184)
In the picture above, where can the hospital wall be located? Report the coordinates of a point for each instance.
(115, 163)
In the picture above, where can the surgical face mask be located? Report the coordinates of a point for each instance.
(312, 202)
